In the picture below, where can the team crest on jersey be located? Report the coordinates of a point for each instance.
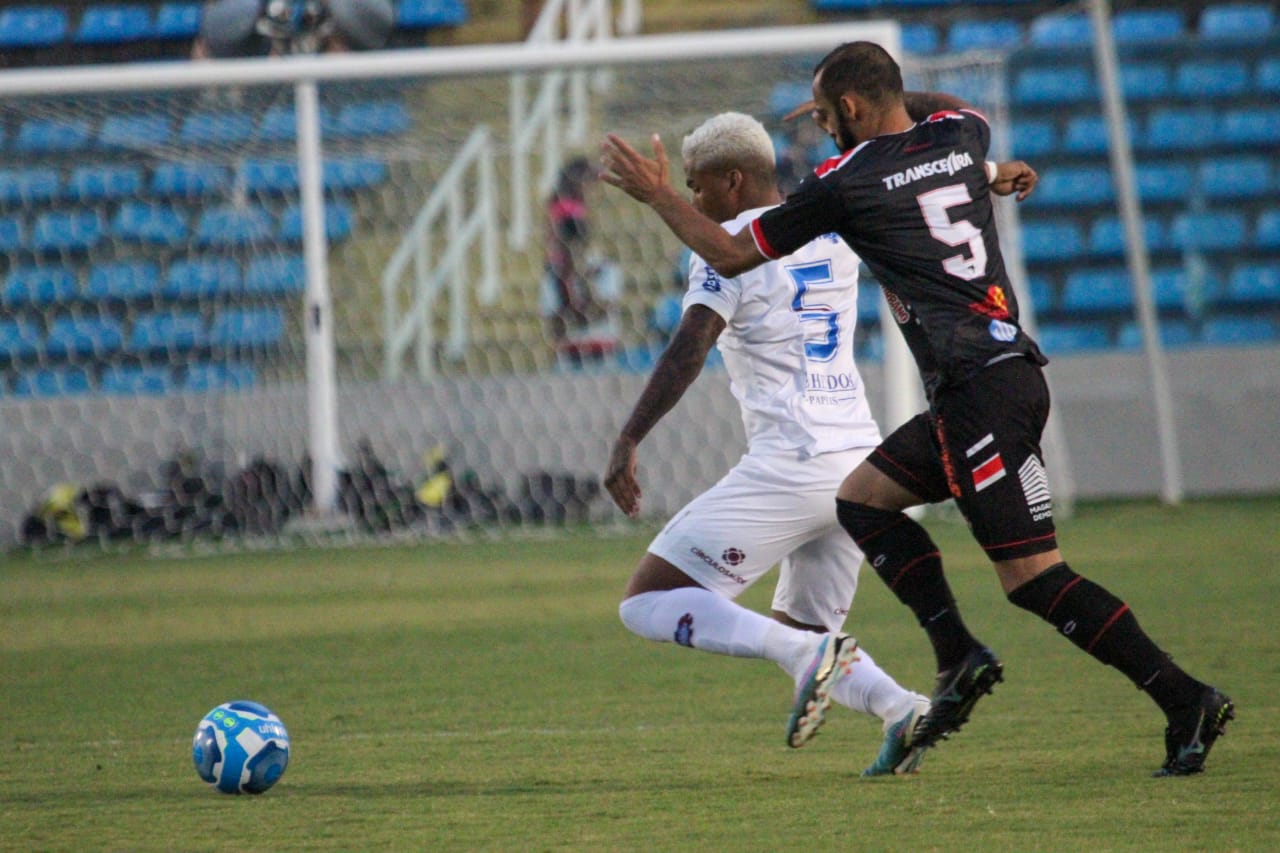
(733, 556)
(684, 631)
(712, 282)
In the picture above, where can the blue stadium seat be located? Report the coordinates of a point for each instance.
(104, 182)
(1266, 78)
(1051, 241)
(1062, 339)
(1043, 297)
(86, 337)
(1054, 85)
(1173, 333)
(1235, 177)
(1141, 26)
(1239, 21)
(215, 376)
(1093, 291)
(354, 173)
(168, 332)
(217, 128)
(1164, 182)
(1238, 331)
(201, 278)
(52, 382)
(189, 179)
(1071, 29)
(1209, 230)
(120, 379)
(665, 315)
(1106, 236)
(1255, 126)
(1266, 233)
(1087, 134)
(338, 221)
(243, 328)
(39, 286)
(1180, 129)
(12, 234)
(1034, 136)
(123, 280)
(1254, 283)
(279, 123)
(32, 26)
(920, 38)
(978, 34)
(231, 225)
(276, 275)
(67, 231)
(134, 132)
(19, 339)
(51, 136)
(177, 21)
(372, 118)
(114, 24)
(270, 175)
(1184, 288)
(30, 186)
(1145, 81)
(155, 222)
(843, 5)
(784, 97)
(1074, 186)
(1207, 79)
(427, 14)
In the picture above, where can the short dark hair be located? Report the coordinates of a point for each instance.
(862, 67)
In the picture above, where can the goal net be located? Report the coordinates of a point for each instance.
(206, 332)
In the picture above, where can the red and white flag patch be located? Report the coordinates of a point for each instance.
(989, 471)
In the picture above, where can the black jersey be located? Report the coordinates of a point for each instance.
(916, 207)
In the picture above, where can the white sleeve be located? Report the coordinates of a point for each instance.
(709, 288)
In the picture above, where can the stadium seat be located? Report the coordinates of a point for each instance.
(1062, 339)
(338, 220)
(1164, 182)
(1173, 333)
(86, 337)
(1267, 76)
(979, 34)
(19, 339)
(218, 377)
(201, 278)
(67, 231)
(1188, 288)
(125, 281)
(1254, 126)
(242, 328)
(1179, 129)
(372, 118)
(12, 234)
(1051, 241)
(51, 136)
(269, 175)
(279, 123)
(231, 225)
(920, 38)
(39, 286)
(1087, 134)
(428, 14)
(114, 24)
(1235, 177)
(1097, 291)
(52, 382)
(1266, 234)
(177, 21)
(1210, 230)
(189, 179)
(167, 332)
(784, 97)
(139, 131)
(104, 183)
(30, 186)
(1145, 81)
(155, 222)
(1031, 137)
(275, 275)
(1254, 283)
(1141, 26)
(354, 173)
(1106, 236)
(121, 379)
(1058, 30)
(1074, 186)
(1054, 85)
(1238, 331)
(1209, 79)
(1237, 21)
(1043, 298)
(217, 128)
(32, 26)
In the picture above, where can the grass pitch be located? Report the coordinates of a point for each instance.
(483, 696)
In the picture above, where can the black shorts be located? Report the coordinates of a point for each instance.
(980, 444)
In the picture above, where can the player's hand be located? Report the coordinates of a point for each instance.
(1014, 176)
(627, 169)
(620, 478)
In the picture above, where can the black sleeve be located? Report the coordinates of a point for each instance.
(809, 212)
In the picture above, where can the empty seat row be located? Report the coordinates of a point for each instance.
(1086, 133)
(200, 377)
(1197, 80)
(1056, 240)
(1066, 338)
(1193, 287)
(1209, 180)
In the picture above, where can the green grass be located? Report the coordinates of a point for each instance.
(483, 696)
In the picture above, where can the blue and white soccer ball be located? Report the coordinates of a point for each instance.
(241, 748)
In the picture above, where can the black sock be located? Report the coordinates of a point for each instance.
(1102, 625)
(904, 556)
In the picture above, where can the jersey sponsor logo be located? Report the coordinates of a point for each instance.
(733, 556)
(1035, 486)
(712, 281)
(949, 165)
(995, 305)
(684, 631)
(717, 565)
(899, 311)
(1002, 331)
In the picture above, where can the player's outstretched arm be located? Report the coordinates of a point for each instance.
(675, 371)
(921, 105)
(1015, 176)
(648, 180)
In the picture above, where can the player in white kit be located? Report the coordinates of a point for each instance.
(785, 330)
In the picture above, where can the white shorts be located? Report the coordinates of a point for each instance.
(772, 509)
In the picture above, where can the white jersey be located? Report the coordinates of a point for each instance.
(788, 345)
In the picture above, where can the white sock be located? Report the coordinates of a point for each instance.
(871, 690)
(705, 620)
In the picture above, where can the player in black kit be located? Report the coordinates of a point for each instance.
(911, 195)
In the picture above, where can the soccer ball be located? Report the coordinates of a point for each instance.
(240, 748)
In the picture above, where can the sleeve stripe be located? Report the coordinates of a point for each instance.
(762, 244)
